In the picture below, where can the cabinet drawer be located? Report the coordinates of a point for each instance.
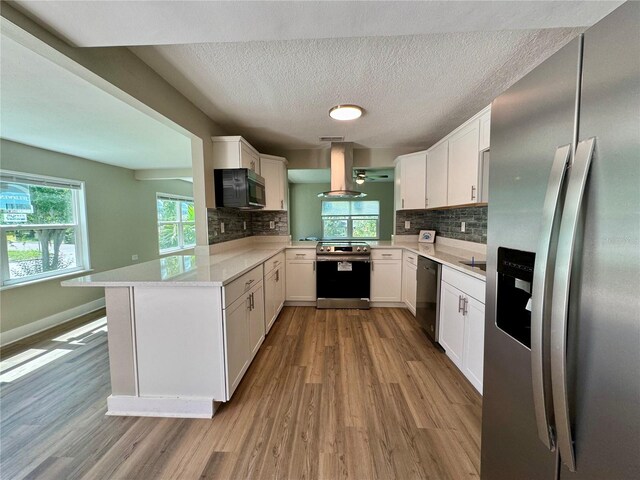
(273, 263)
(473, 287)
(386, 254)
(301, 254)
(411, 258)
(235, 289)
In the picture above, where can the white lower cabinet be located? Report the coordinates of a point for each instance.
(410, 280)
(256, 318)
(274, 292)
(473, 357)
(386, 275)
(301, 275)
(243, 325)
(237, 343)
(462, 323)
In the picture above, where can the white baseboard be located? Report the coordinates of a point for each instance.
(15, 334)
(171, 407)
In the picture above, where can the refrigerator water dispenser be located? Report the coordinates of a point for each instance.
(515, 275)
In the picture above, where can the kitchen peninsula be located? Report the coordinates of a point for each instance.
(184, 329)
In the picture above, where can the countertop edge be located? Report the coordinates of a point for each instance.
(270, 251)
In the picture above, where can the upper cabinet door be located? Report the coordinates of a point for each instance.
(274, 173)
(249, 159)
(413, 182)
(437, 160)
(463, 165)
(485, 131)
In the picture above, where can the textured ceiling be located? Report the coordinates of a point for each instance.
(46, 106)
(414, 89)
(109, 23)
(270, 71)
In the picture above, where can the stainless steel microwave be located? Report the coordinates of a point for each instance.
(239, 188)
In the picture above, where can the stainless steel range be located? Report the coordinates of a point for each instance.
(344, 274)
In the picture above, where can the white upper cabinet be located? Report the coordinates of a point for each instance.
(449, 173)
(411, 190)
(235, 152)
(463, 165)
(437, 164)
(485, 130)
(274, 171)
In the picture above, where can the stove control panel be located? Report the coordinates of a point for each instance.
(343, 249)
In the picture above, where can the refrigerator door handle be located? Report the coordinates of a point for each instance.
(560, 299)
(541, 394)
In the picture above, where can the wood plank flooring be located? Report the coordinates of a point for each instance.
(357, 394)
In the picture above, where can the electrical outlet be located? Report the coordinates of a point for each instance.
(272, 224)
(463, 227)
(134, 257)
(407, 225)
(221, 227)
(244, 225)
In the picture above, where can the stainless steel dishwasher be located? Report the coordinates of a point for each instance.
(428, 296)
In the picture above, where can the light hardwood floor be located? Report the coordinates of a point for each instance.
(331, 394)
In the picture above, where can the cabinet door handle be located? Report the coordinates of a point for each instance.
(282, 204)
(252, 302)
(314, 265)
(403, 203)
(277, 275)
(465, 305)
(473, 192)
(460, 303)
(426, 202)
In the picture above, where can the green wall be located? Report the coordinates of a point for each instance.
(121, 221)
(304, 206)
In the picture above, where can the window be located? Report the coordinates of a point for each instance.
(351, 219)
(42, 226)
(176, 222)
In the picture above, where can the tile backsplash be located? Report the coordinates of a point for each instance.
(261, 223)
(257, 223)
(446, 222)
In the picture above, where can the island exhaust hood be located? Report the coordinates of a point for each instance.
(342, 172)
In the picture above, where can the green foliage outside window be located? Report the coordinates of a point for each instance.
(176, 223)
(350, 219)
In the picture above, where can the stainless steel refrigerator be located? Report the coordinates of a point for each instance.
(562, 338)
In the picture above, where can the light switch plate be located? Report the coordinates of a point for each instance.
(244, 225)
(272, 224)
(134, 257)
(407, 225)
(221, 227)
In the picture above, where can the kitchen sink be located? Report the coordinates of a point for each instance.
(479, 265)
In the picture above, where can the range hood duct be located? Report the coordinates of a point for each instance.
(342, 172)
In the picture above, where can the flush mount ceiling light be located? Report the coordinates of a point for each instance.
(345, 112)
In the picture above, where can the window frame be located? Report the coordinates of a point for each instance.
(79, 208)
(178, 198)
(350, 219)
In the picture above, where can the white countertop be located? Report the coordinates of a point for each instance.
(444, 254)
(184, 270)
(219, 269)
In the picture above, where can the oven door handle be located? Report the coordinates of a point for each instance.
(345, 258)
